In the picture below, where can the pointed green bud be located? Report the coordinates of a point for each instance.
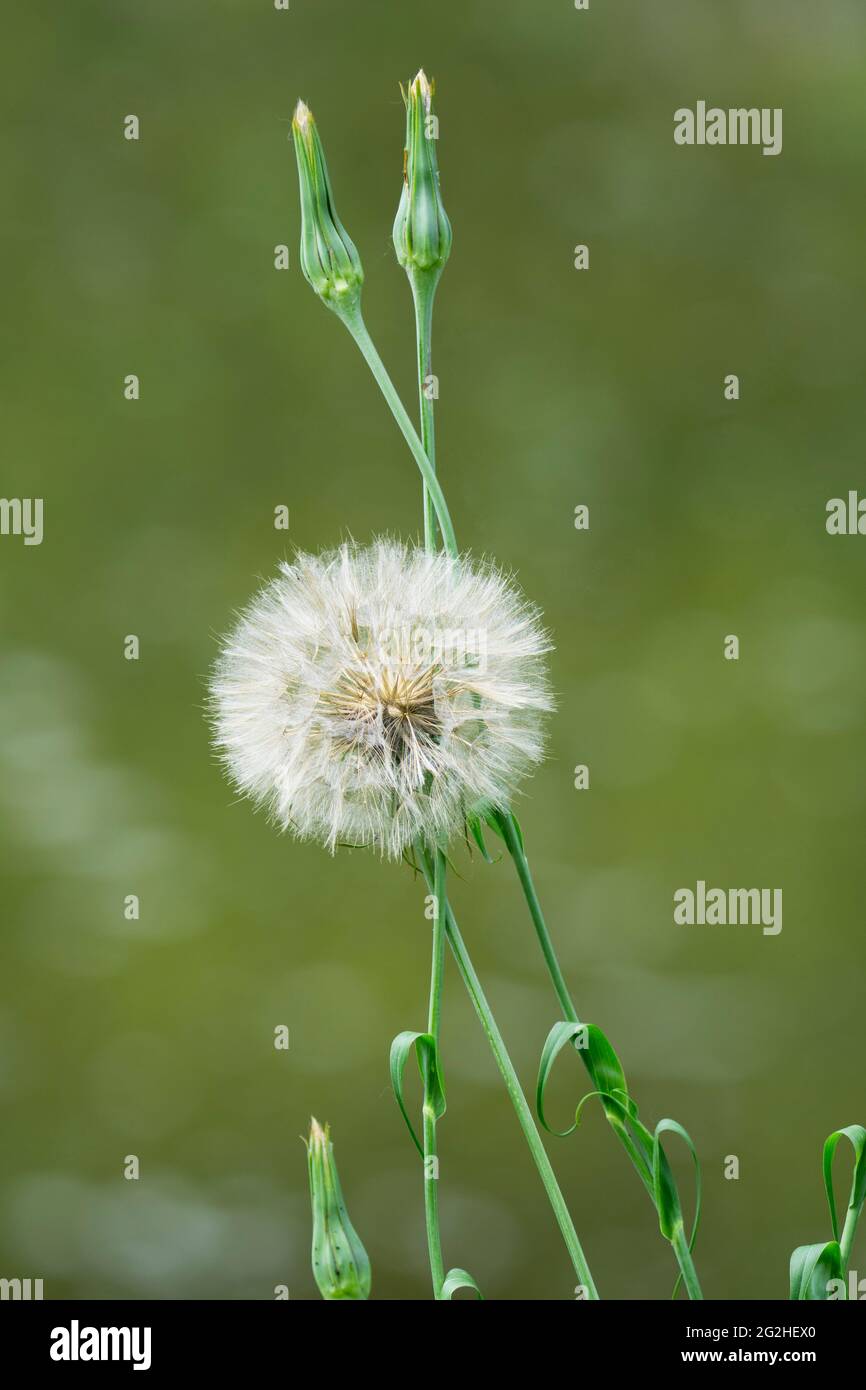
(422, 232)
(340, 1264)
(329, 260)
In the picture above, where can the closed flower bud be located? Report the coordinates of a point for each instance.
(422, 232)
(341, 1268)
(329, 260)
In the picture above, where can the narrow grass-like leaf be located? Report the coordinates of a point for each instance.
(667, 1197)
(424, 1047)
(458, 1279)
(605, 1068)
(856, 1134)
(600, 1060)
(665, 1188)
(812, 1268)
(560, 1035)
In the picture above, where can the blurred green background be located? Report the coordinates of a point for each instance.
(558, 387)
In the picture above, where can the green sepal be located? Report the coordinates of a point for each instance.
(473, 828)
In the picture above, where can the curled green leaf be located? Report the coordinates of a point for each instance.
(560, 1035)
(856, 1135)
(666, 1194)
(605, 1097)
(812, 1269)
(458, 1279)
(667, 1197)
(645, 1149)
(600, 1060)
(424, 1046)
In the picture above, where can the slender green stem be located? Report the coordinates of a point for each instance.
(423, 294)
(846, 1240)
(431, 1161)
(356, 326)
(431, 1197)
(423, 325)
(686, 1263)
(524, 1114)
(515, 1093)
(521, 864)
(435, 1011)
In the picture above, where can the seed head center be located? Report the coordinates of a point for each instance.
(401, 699)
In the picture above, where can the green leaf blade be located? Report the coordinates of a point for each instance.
(812, 1269)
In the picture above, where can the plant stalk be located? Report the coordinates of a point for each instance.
(423, 294)
(846, 1240)
(356, 326)
(431, 1161)
(686, 1263)
(515, 1093)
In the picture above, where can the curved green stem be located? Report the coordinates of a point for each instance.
(356, 326)
(515, 1093)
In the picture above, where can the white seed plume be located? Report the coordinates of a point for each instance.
(369, 695)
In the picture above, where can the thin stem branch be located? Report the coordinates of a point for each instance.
(846, 1240)
(515, 1093)
(423, 294)
(356, 326)
(431, 1161)
(436, 972)
(431, 1199)
(423, 328)
(686, 1263)
(521, 864)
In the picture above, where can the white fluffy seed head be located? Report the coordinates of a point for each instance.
(371, 695)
